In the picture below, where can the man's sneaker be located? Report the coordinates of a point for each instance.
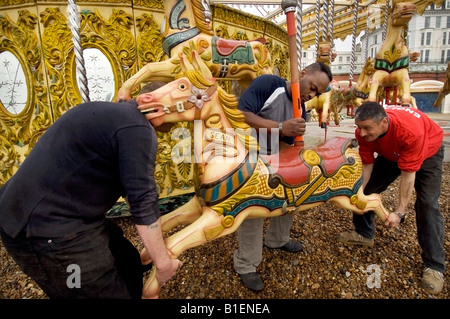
(353, 238)
(252, 281)
(432, 280)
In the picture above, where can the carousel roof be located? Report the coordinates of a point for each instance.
(336, 17)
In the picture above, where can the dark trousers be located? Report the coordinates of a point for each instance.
(429, 219)
(99, 263)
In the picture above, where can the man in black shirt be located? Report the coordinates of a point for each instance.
(52, 216)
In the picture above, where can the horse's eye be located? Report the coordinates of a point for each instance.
(183, 86)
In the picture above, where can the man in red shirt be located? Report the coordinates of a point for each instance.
(409, 145)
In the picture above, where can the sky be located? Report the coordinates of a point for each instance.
(344, 45)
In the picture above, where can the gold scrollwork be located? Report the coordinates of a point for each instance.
(358, 203)
(310, 157)
(169, 175)
(227, 221)
(21, 131)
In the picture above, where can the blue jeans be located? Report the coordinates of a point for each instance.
(108, 264)
(429, 219)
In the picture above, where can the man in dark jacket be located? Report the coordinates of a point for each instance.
(52, 217)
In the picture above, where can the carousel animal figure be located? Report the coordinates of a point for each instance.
(360, 92)
(325, 53)
(234, 181)
(393, 57)
(187, 27)
(324, 105)
(362, 86)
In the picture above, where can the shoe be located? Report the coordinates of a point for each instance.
(252, 281)
(353, 238)
(432, 280)
(291, 246)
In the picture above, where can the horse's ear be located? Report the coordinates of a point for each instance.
(185, 64)
(201, 66)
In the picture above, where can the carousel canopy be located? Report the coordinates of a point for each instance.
(334, 17)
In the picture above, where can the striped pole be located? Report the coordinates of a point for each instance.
(74, 22)
(288, 7)
(298, 17)
(352, 57)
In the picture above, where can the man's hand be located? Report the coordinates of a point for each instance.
(123, 95)
(167, 271)
(393, 221)
(294, 127)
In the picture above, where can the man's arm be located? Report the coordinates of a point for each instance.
(406, 186)
(291, 127)
(152, 238)
(367, 172)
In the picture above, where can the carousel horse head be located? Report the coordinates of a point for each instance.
(195, 95)
(402, 12)
(183, 98)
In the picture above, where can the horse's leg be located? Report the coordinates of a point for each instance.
(206, 228)
(377, 79)
(185, 214)
(325, 111)
(188, 237)
(405, 84)
(361, 204)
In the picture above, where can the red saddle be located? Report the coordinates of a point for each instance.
(290, 168)
(225, 46)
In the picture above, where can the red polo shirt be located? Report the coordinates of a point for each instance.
(411, 138)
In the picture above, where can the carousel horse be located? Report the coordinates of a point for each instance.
(325, 106)
(392, 60)
(234, 182)
(324, 53)
(360, 92)
(322, 104)
(187, 27)
(362, 86)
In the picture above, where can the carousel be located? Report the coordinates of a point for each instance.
(56, 55)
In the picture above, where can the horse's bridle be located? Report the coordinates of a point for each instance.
(181, 106)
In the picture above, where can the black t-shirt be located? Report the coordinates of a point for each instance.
(267, 97)
(92, 155)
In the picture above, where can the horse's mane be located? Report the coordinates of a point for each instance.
(229, 104)
(236, 118)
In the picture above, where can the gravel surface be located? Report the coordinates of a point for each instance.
(325, 269)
